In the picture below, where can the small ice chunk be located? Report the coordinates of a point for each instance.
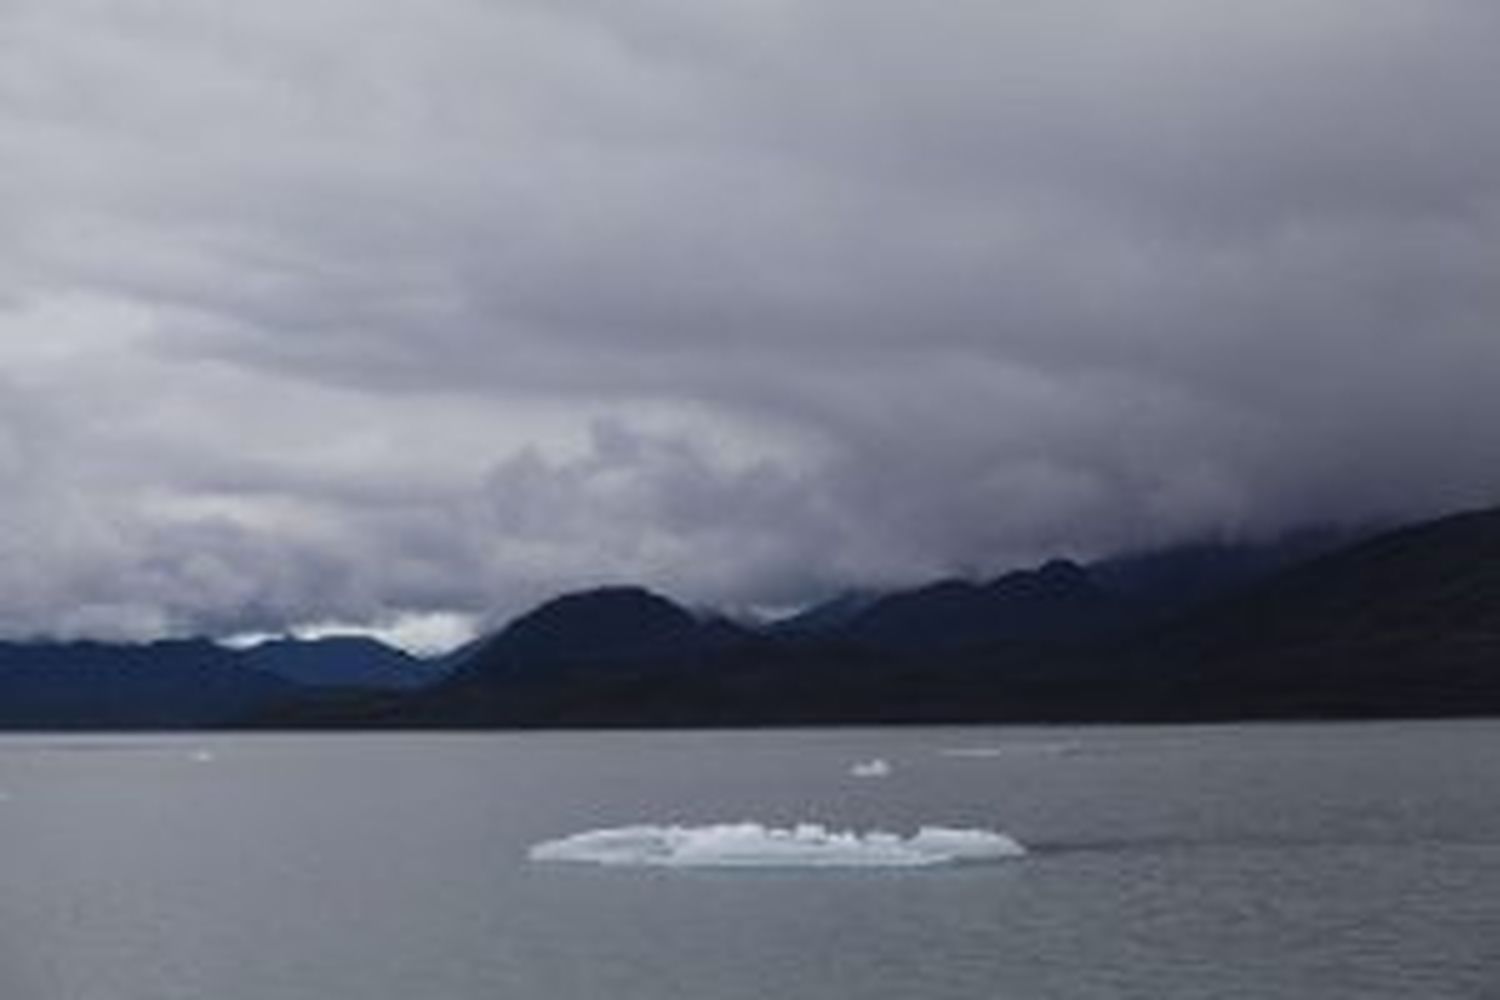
(876, 768)
(1011, 748)
(751, 845)
(203, 756)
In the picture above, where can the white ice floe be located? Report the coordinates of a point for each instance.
(876, 768)
(751, 845)
(203, 756)
(1010, 749)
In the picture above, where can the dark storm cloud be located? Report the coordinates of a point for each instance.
(313, 312)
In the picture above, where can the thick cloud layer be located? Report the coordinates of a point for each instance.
(335, 312)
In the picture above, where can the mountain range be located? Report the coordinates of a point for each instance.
(189, 684)
(1321, 624)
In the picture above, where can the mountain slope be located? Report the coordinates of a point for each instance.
(1405, 621)
(174, 685)
(1059, 601)
(1161, 583)
(341, 662)
(607, 625)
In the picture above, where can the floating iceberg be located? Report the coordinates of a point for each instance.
(751, 845)
(876, 768)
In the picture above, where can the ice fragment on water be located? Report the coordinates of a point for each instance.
(752, 845)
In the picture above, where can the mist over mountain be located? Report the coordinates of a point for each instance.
(1403, 622)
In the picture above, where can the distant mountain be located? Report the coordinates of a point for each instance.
(342, 662)
(184, 684)
(1164, 582)
(606, 625)
(825, 617)
(454, 659)
(165, 685)
(1404, 623)
(627, 656)
(1059, 600)
(586, 645)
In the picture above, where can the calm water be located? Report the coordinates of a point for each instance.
(1353, 861)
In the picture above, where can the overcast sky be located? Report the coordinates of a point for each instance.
(383, 313)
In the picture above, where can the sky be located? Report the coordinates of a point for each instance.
(324, 313)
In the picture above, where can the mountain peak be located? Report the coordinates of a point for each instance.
(613, 621)
(340, 661)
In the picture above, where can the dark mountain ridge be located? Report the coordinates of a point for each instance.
(1406, 622)
(182, 684)
(1055, 601)
(343, 661)
(622, 624)
(188, 683)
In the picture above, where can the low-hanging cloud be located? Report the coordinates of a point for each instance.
(312, 312)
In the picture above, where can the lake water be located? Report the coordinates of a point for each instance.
(1357, 861)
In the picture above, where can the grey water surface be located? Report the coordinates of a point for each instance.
(1269, 861)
